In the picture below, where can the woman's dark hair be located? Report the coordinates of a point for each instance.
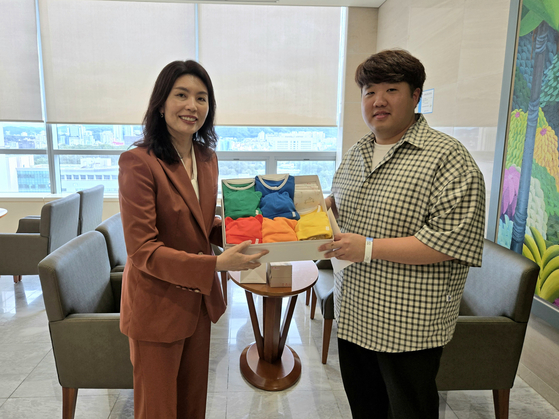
(391, 66)
(156, 136)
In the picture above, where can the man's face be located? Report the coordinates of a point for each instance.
(389, 109)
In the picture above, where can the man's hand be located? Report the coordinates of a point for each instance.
(346, 246)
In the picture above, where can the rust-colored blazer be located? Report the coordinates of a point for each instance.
(170, 267)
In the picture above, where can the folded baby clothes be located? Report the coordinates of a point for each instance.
(307, 196)
(278, 204)
(240, 200)
(268, 184)
(242, 229)
(280, 229)
(313, 225)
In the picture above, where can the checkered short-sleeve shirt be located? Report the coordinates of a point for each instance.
(427, 186)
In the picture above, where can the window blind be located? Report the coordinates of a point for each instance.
(272, 65)
(101, 58)
(20, 89)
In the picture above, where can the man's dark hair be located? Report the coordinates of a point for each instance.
(391, 66)
(156, 136)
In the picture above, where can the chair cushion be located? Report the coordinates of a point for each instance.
(91, 352)
(325, 283)
(324, 288)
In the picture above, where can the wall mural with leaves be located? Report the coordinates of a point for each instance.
(529, 213)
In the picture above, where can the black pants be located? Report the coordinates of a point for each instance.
(390, 385)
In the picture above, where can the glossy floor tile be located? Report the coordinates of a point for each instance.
(29, 386)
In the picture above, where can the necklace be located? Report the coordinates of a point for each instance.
(182, 161)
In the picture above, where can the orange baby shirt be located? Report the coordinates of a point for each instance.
(280, 229)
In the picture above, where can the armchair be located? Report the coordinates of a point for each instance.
(112, 230)
(485, 350)
(82, 301)
(90, 215)
(21, 252)
(323, 291)
(91, 208)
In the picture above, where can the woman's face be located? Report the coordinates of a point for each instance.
(186, 107)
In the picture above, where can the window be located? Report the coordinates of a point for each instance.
(323, 168)
(277, 138)
(242, 151)
(21, 171)
(95, 92)
(250, 151)
(83, 167)
(95, 137)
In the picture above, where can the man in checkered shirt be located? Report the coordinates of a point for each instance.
(421, 196)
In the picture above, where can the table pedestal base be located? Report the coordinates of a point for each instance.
(280, 375)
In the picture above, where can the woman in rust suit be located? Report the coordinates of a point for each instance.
(170, 289)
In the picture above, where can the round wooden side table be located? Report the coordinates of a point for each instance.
(265, 364)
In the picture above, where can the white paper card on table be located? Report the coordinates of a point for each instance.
(337, 264)
(254, 276)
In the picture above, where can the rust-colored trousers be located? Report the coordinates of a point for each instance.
(171, 379)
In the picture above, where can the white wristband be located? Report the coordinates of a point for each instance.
(368, 250)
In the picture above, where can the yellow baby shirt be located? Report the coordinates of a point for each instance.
(314, 226)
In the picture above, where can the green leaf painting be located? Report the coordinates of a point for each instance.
(547, 10)
(529, 23)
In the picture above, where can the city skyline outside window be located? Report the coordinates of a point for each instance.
(79, 165)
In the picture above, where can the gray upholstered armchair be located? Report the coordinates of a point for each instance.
(21, 252)
(323, 292)
(91, 208)
(485, 350)
(90, 215)
(111, 228)
(82, 301)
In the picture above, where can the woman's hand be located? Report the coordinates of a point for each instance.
(234, 260)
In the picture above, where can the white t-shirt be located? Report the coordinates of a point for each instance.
(379, 152)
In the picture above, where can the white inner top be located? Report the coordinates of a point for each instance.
(380, 151)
